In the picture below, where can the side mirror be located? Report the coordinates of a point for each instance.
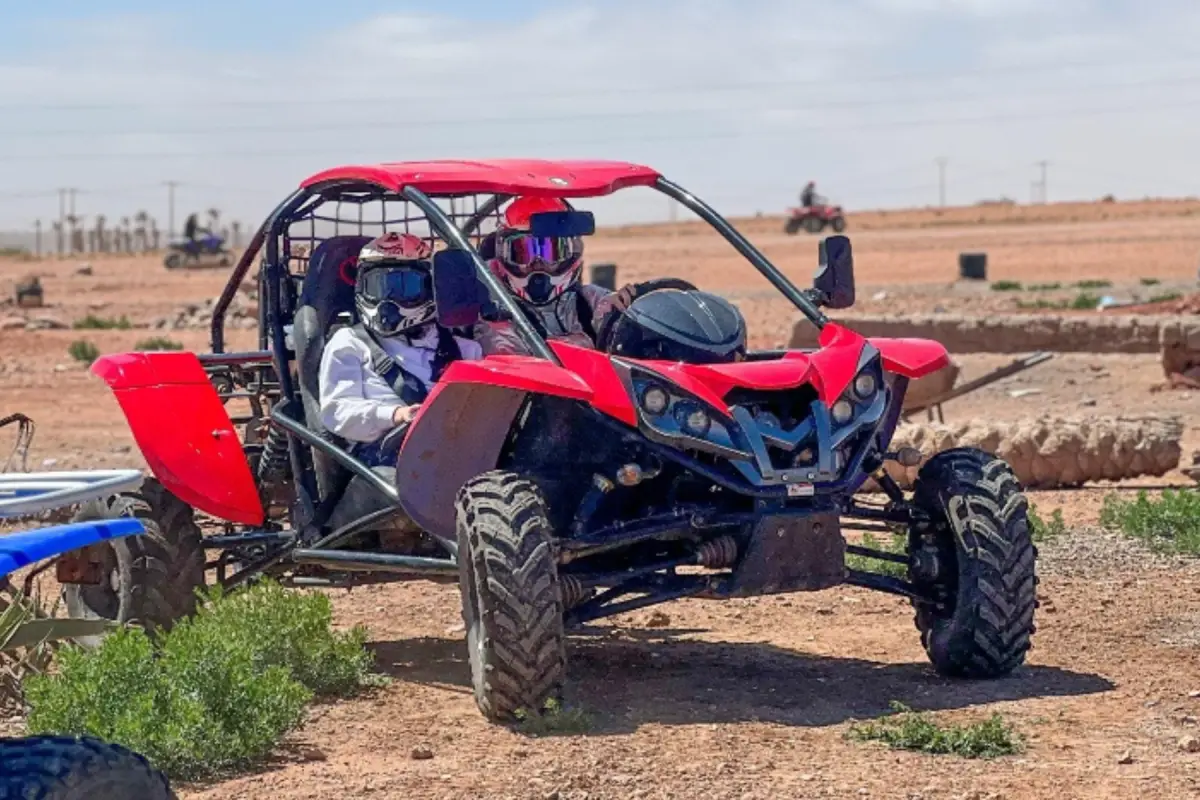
(834, 281)
(562, 224)
(457, 289)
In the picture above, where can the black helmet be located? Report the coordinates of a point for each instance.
(675, 325)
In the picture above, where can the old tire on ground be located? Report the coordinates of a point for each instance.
(173, 260)
(838, 223)
(987, 564)
(792, 226)
(83, 768)
(152, 578)
(512, 608)
(814, 224)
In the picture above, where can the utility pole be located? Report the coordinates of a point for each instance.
(171, 208)
(1042, 183)
(71, 205)
(941, 163)
(62, 208)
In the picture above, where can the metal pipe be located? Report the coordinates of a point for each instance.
(250, 358)
(589, 611)
(235, 281)
(590, 580)
(747, 250)
(348, 461)
(375, 562)
(454, 237)
(867, 552)
(225, 542)
(884, 583)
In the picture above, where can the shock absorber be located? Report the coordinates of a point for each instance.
(274, 459)
(718, 553)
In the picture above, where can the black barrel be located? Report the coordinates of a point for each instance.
(972, 266)
(605, 276)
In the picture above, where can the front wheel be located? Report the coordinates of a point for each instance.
(70, 768)
(978, 537)
(512, 608)
(814, 224)
(151, 579)
(173, 260)
(792, 226)
(838, 224)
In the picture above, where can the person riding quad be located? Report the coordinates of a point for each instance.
(375, 375)
(543, 275)
(808, 197)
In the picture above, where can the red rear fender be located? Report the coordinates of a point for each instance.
(184, 432)
(911, 358)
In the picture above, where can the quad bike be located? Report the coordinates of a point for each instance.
(815, 218)
(566, 485)
(188, 252)
(66, 767)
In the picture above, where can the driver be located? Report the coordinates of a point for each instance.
(542, 273)
(374, 375)
(808, 197)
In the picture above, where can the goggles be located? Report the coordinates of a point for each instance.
(406, 286)
(523, 254)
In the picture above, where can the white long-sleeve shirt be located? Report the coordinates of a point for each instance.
(356, 402)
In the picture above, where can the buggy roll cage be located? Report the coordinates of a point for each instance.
(276, 307)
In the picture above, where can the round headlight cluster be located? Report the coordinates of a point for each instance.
(655, 400)
(693, 419)
(865, 385)
(842, 411)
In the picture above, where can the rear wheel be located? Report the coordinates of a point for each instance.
(813, 224)
(985, 565)
(173, 260)
(151, 579)
(70, 768)
(512, 608)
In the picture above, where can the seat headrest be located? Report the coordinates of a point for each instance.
(329, 282)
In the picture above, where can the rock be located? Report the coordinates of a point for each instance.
(1087, 402)
(1189, 744)
(45, 323)
(422, 752)
(658, 619)
(1194, 694)
(12, 323)
(84, 269)
(1126, 758)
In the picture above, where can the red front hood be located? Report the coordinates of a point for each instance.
(829, 370)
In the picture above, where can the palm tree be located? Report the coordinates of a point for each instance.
(58, 236)
(76, 235)
(139, 233)
(99, 245)
(126, 245)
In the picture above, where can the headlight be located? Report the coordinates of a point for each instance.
(692, 419)
(864, 386)
(842, 411)
(655, 400)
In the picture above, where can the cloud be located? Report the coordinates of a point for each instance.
(741, 100)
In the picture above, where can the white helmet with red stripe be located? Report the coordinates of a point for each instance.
(536, 269)
(394, 288)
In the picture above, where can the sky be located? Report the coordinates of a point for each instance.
(741, 101)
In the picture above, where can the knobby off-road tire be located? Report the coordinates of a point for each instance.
(814, 224)
(838, 224)
(512, 608)
(70, 768)
(173, 260)
(987, 563)
(792, 226)
(157, 573)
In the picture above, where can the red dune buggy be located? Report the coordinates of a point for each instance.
(569, 484)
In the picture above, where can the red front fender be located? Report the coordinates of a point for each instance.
(184, 432)
(912, 358)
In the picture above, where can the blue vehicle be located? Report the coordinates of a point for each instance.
(62, 767)
(207, 250)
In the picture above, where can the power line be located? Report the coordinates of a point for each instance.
(885, 125)
(293, 129)
(641, 89)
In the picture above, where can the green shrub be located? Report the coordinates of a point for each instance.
(1042, 304)
(83, 351)
(1044, 530)
(894, 543)
(1170, 522)
(553, 720)
(1093, 284)
(908, 730)
(214, 694)
(92, 322)
(1165, 297)
(1150, 281)
(1045, 287)
(1083, 300)
(1006, 286)
(157, 343)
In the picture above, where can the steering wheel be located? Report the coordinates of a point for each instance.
(609, 323)
(390, 444)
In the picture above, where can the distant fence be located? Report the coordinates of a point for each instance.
(97, 235)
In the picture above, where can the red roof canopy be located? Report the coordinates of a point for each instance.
(499, 176)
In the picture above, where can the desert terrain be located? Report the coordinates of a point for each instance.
(750, 698)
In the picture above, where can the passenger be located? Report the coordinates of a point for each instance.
(543, 275)
(375, 375)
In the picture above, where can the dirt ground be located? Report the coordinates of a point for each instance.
(749, 699)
